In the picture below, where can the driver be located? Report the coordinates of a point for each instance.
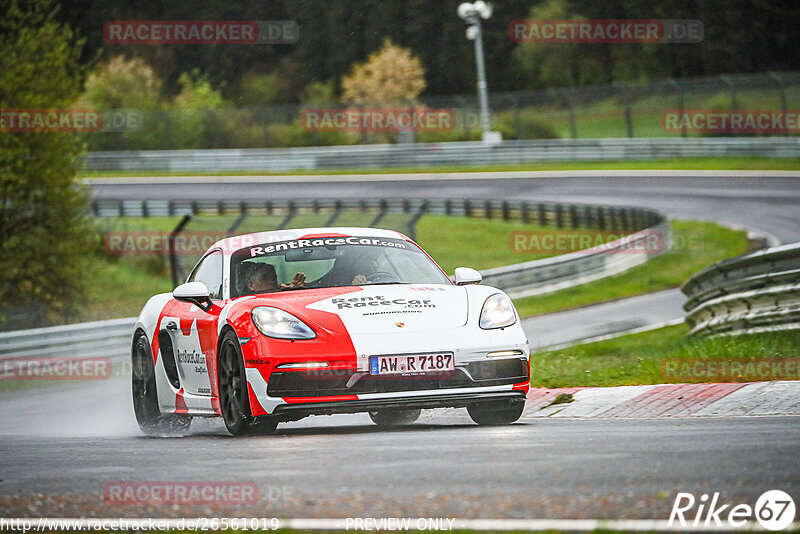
(263, 278)
(363, 266)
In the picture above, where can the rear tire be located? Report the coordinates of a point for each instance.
(388, 418)
(145, 397)
(234, 399)
(493, 413)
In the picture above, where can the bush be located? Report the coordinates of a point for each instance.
(529, 124)
(44, 234)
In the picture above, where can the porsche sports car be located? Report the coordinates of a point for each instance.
(276, 326)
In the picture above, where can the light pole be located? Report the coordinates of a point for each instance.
(472, 15)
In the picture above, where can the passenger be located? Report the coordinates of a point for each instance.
(263, 278)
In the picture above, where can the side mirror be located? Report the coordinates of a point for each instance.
(195, 292)
(466, 276)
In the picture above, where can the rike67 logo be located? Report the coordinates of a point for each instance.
(774, 510)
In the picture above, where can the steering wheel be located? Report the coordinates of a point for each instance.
(382, 276)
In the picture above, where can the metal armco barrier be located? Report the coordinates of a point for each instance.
(110, 339)
(440, 154)
(756, 292)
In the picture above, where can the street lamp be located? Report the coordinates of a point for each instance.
(472, 13)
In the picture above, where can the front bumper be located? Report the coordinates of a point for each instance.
(450, 399)
(295, 394)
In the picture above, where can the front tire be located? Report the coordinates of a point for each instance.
(234, 399)
(493, 413)
(145, 397)
(389, 418)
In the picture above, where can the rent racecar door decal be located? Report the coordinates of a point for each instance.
(195, 346)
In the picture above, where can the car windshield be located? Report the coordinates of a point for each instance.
(330, 262)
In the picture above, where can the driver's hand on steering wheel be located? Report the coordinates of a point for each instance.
(298, 281)
(360, 280)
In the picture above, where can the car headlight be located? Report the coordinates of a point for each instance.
(277, 323)
(497, 312)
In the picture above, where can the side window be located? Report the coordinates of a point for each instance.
(209, 271)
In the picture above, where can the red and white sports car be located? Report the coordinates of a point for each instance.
(276, 326)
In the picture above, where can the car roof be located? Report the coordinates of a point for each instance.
(248, 240)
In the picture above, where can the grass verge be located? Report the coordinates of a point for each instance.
(742, 163)
(697, 245)
(666, 355)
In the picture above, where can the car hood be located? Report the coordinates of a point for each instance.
(395, 308)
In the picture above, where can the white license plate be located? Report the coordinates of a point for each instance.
(411, 364)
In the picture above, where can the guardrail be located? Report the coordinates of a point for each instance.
(440, 154)
(533, 277)
(756, 292)
(110, 339)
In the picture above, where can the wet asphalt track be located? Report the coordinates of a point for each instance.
(60, 445)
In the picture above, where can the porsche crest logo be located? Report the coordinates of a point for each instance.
(400, 325)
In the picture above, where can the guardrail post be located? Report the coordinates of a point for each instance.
(559, 216)
(336, 212)
(289, 216)
(381, 213)
(412, 224)
(524, 213)
(541, 214)
(573, 216)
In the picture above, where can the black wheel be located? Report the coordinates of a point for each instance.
(500, 412)
(145, 398)
(394, 417)
(233, 398)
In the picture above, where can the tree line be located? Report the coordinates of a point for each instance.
(740, 36)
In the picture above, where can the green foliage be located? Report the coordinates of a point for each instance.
(193, 123)
(549, 65)
(525, 124)
(43, 231)
(125, 84)
(258, 89)
(319, 93)
(641, 358)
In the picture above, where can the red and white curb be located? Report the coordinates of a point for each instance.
(668, 400)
